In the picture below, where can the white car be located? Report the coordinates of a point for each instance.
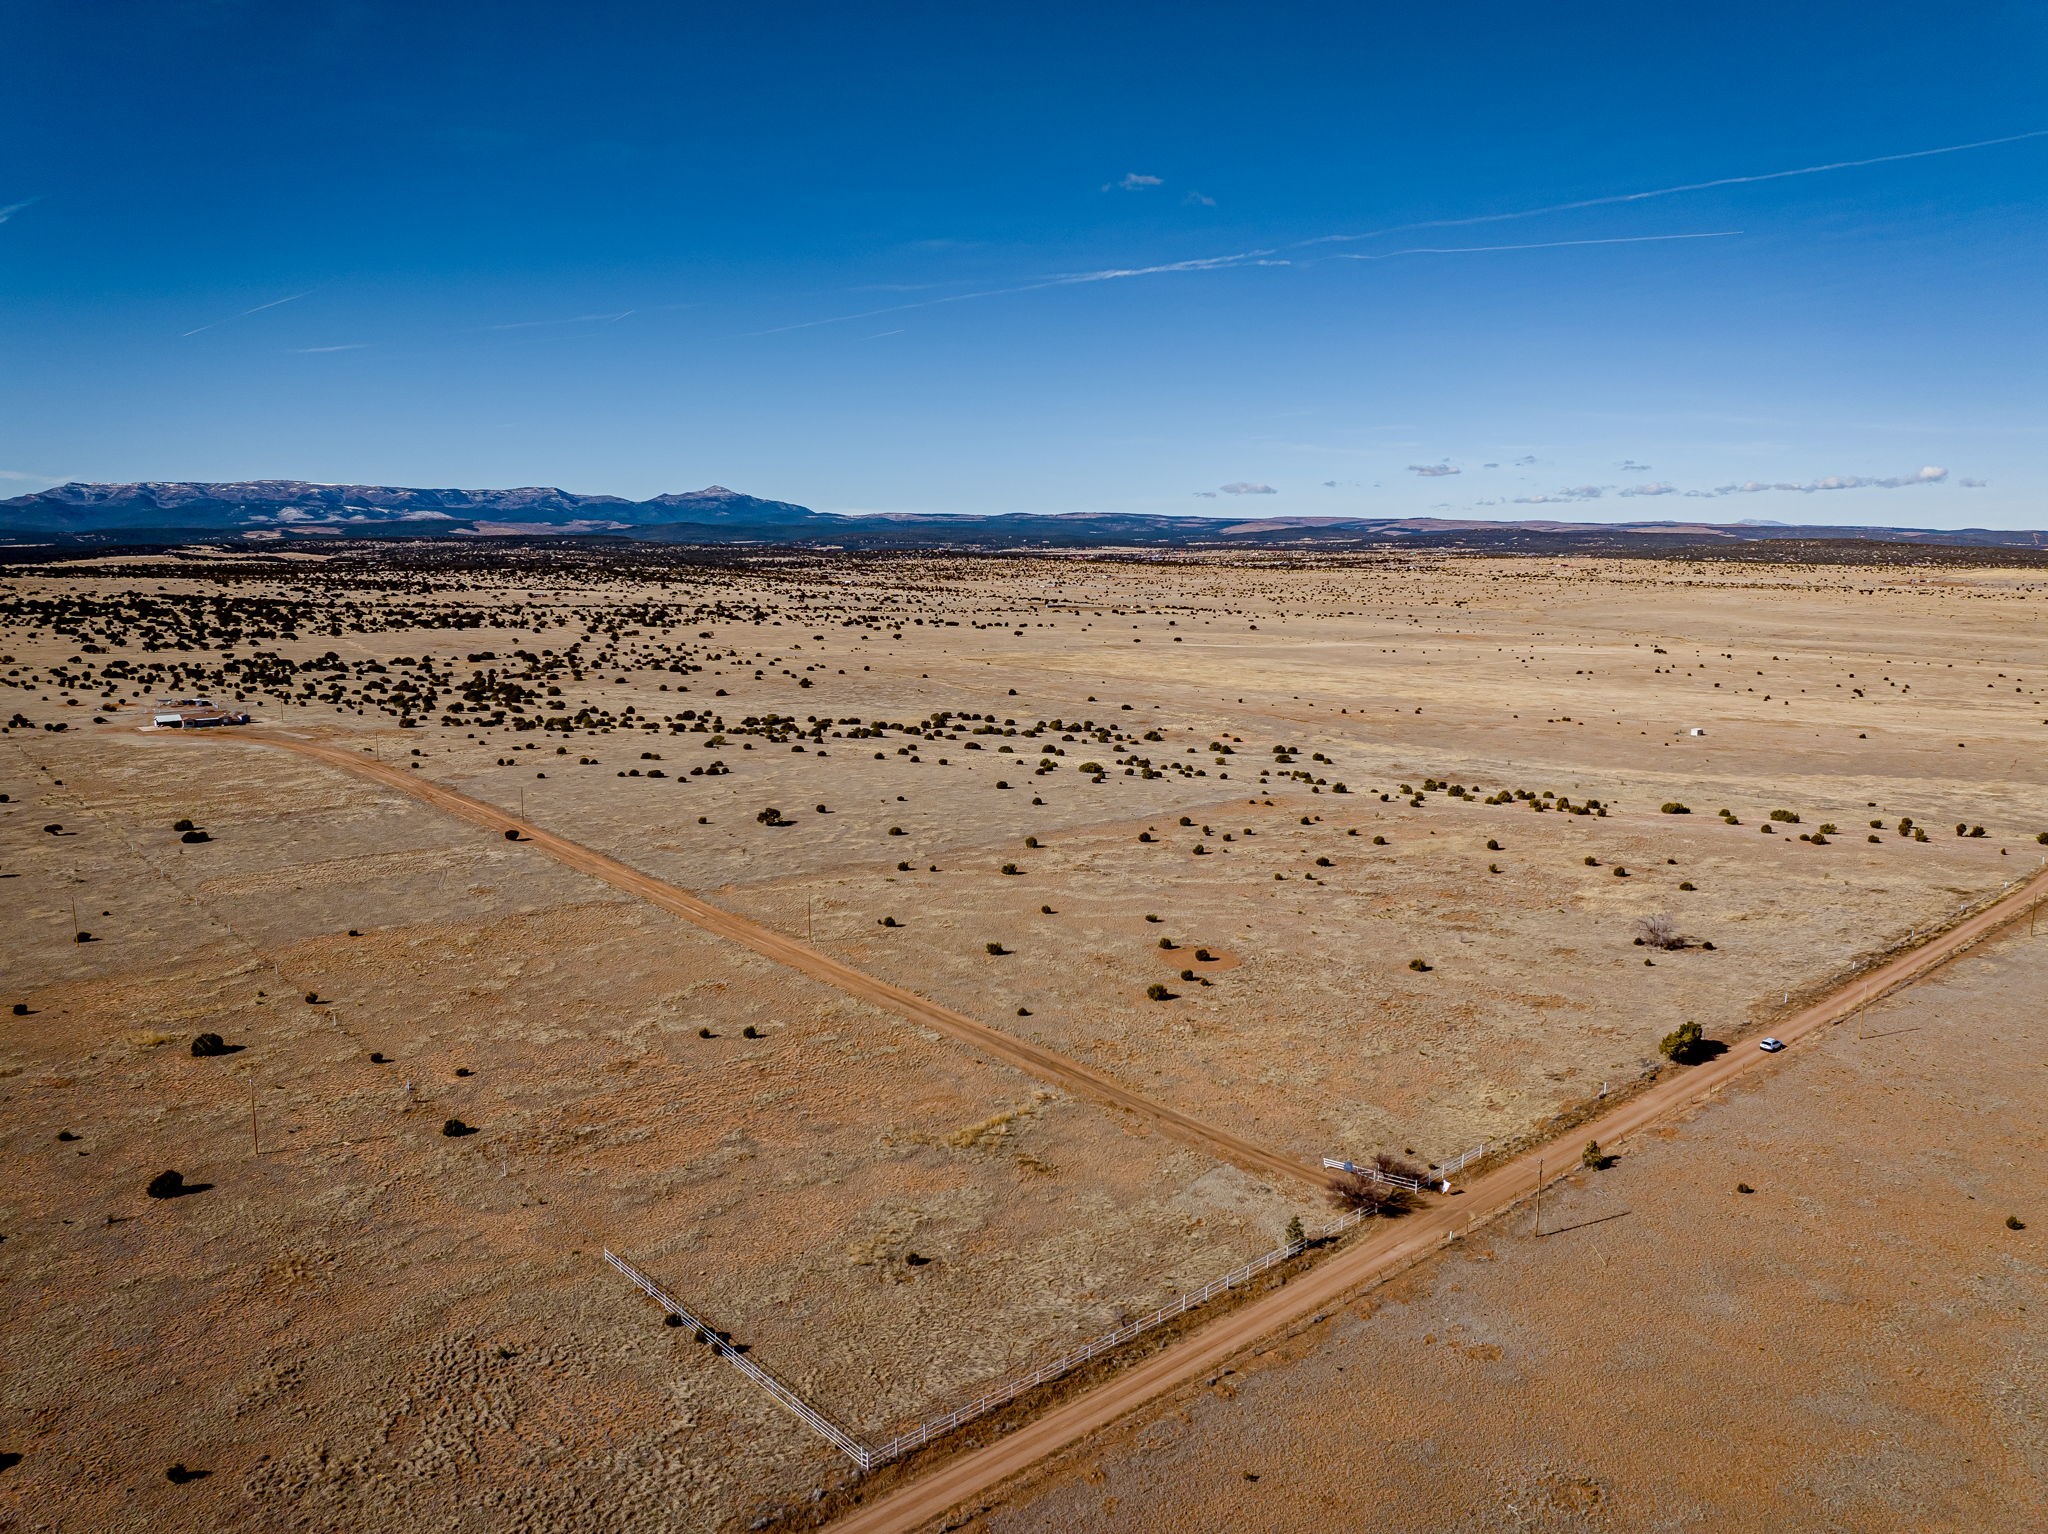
(1770, 1046)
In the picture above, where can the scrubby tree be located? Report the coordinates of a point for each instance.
(1682, 1043)
(165, 1185)
(1660, 931)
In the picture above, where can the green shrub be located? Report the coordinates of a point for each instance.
(1673, 807)
(1682, 1043)
(1157, 992)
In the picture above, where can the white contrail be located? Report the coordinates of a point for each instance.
(15, 207)
(1468, 250)
(1064, 280)
(574, 319)
(1673, 191)
(1271, 257)
(247, 312)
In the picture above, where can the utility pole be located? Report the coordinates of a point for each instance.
(1539, 1195)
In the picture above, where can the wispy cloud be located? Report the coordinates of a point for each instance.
(274, 303)
(1630, 466)
(15, 207)
(1930, 475)
(1433, 470)
(1673, 191)
(1198, 200)
(1207, 495)
(1247, 487)
(573, 319)
(1132, 182)
(346, 346)
(1474, 250)
(1973, 484)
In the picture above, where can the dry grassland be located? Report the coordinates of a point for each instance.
(1802, 1309)
(371, 1324)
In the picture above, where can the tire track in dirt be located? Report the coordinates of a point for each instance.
(1030, 1058)
(959, 1488)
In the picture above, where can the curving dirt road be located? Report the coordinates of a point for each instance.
(1027, 1057)
(962, 1485)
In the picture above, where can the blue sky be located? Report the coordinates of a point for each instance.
(1274, 259)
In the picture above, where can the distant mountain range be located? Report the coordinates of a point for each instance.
(183, 511)
(287, 504)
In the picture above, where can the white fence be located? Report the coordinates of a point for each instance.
(833, 1435)
(1009, 1390)
(1391, 1179)
(937, 1427)
(1463, 1159)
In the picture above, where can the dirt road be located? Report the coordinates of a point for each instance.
(1027, 1057)
(956, 1488)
